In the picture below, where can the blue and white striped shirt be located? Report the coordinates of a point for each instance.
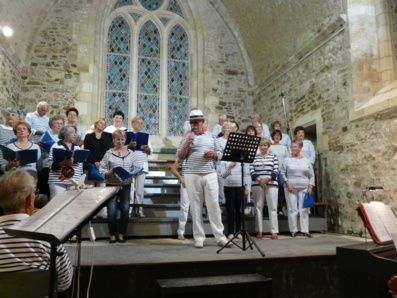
(195, 161)
(21, 254)
(263, 167)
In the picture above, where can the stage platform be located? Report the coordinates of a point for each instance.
(299, 267)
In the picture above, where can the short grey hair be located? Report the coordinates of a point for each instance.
(222, 116)
(257, 116)
(10, 110)
(65, 130)
(15, 187)
(42, 104)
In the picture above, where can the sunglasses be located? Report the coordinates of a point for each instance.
(194, 122)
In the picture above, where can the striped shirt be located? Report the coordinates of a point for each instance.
(56, 171)
(195, 161)
(111, 160)
(21, 254)
(299, 172)
(263, 167)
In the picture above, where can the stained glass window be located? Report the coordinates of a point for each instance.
(122, 3)
(117, 69)
(151, 4)
(178, 80)
(149, 96)
(174, 7)
(149, 77)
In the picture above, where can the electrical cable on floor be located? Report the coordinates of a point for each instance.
(74, 275)
(92, 237)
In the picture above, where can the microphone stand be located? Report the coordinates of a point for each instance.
(286, 115)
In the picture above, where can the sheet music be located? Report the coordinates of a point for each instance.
(388, 218)
(66, 211)
(376, 222)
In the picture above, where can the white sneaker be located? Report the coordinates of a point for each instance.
(199, 244)
(239, 236)
(230, 236)
(223, 243)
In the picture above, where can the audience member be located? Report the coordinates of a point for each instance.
(17, 194)
(72, 115)
(38, 120)
(298, 177)
(200, 149)
(119, 155)
(264, 171)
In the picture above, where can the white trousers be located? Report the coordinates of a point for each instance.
(294, 204)
(139, 190)
(271, 195)
(185, 203)
(221, 184)
(200, 187)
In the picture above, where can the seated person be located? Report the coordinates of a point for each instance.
(17, 195)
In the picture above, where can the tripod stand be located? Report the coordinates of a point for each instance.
(241, 148)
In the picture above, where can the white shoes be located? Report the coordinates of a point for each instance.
(230, 236)
(198, 244)
(223, 243)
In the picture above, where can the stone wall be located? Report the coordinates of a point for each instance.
(226, 86)
(59, 65)
(9, 83)
(355, 153)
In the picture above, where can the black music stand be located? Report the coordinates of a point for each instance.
(241, 148)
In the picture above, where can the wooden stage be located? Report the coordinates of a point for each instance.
(299, 267)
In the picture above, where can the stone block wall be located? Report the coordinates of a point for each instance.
(9, 83)
(355, 153)
(59, 65)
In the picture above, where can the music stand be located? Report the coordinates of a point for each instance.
(241, 148)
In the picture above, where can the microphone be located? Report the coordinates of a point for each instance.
(282, 94)
(192, 132)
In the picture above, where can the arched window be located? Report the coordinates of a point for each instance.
(148, 64)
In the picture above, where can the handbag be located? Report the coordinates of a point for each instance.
(308, 200)
(93, 173)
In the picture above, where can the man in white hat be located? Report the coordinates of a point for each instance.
(200, 149)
